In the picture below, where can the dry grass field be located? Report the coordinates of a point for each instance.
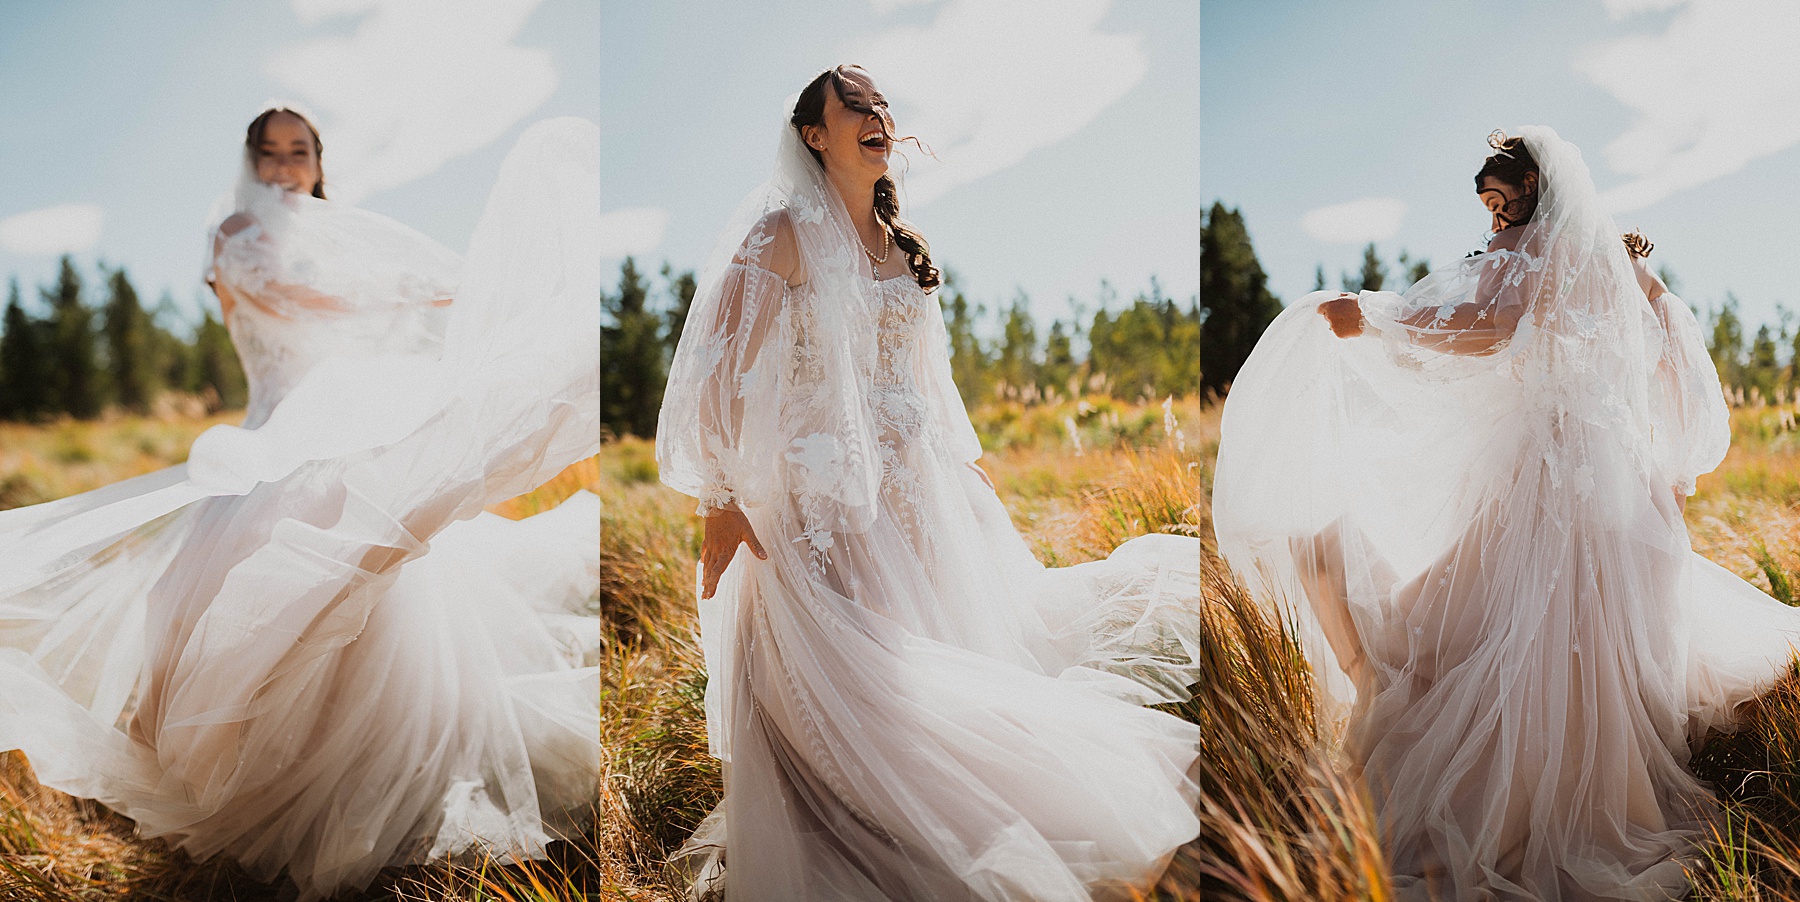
(1139, 469)
(57, 849)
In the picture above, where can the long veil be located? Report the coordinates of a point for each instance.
(1470, 515)
(897, 713)
(170, 645)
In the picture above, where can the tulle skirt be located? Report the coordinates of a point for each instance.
(308, 647)
(1502, 611)
(926, 712)
(448, 706)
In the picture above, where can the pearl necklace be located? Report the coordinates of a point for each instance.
(886, 251)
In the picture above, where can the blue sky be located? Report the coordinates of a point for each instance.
(1687, 111)
(137, 111)
(1067, 131)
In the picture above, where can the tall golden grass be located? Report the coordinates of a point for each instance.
(1284, 822)
(54, 848)
(1140, 469)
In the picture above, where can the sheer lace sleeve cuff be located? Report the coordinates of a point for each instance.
(716, 498)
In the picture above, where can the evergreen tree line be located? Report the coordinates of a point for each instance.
(97, 347)
(1763, 368)
(1149, 348)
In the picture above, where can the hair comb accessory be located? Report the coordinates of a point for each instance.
(1498, 140)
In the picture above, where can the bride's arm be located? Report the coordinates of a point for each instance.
(1471, 310)
(739, 338)
(243, 271)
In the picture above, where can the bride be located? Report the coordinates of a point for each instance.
(908, 705)
(1470, 503)
(308, 647)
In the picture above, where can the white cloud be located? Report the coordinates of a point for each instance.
(62, 229)
(1356, 222)
(416, 84)
(1715, 91)
(990, 81)
(633, 231)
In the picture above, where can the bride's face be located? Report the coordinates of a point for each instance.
(1508, 204)
(851, 137)
(286, 157)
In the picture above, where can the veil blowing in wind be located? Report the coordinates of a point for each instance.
(908, 704)
(308, 648)
(1472, 510)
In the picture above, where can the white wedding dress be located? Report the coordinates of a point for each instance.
(1470, 514)
(908, 705)
(308, 647)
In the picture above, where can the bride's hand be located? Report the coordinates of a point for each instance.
(1344, 315)
(718, 545)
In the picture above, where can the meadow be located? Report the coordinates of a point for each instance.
(1078, 477)
(1283, 821)
(54, 848)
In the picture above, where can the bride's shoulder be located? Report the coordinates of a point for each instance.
(772, 245)
(235, 223)
(1507, 239)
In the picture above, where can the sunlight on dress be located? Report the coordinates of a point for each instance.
(908, 705)
(1470, 514)
(308, 647)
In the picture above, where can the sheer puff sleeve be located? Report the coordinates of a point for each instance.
(1691, 427)
(299, 257)
(1471, 309)
(724, 379)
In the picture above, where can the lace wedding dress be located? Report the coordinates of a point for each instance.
(308, 647)
(908, 705)
(1471, 514)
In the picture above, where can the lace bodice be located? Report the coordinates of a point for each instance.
(277, 352)
(314, 281)
(901, 318)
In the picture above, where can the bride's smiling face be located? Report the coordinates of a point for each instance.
(855, 134)
(287, 156)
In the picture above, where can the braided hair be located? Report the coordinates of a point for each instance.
(810, 110)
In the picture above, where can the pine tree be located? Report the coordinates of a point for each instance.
(218, 375)
(1762, 372)
(1373, 274)
(1236, 305)
(1016, 363)
(75, 374)
(130, 356)
(633, 368)
(24, 367)
(1059, 359)
(1319, 277)
(1420, 269)
(969, 361)
(171, 356)
(682, 287)
(1727, 344)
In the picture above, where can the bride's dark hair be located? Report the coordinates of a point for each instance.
(810, 110)
(1509, 163)
(253, 137)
